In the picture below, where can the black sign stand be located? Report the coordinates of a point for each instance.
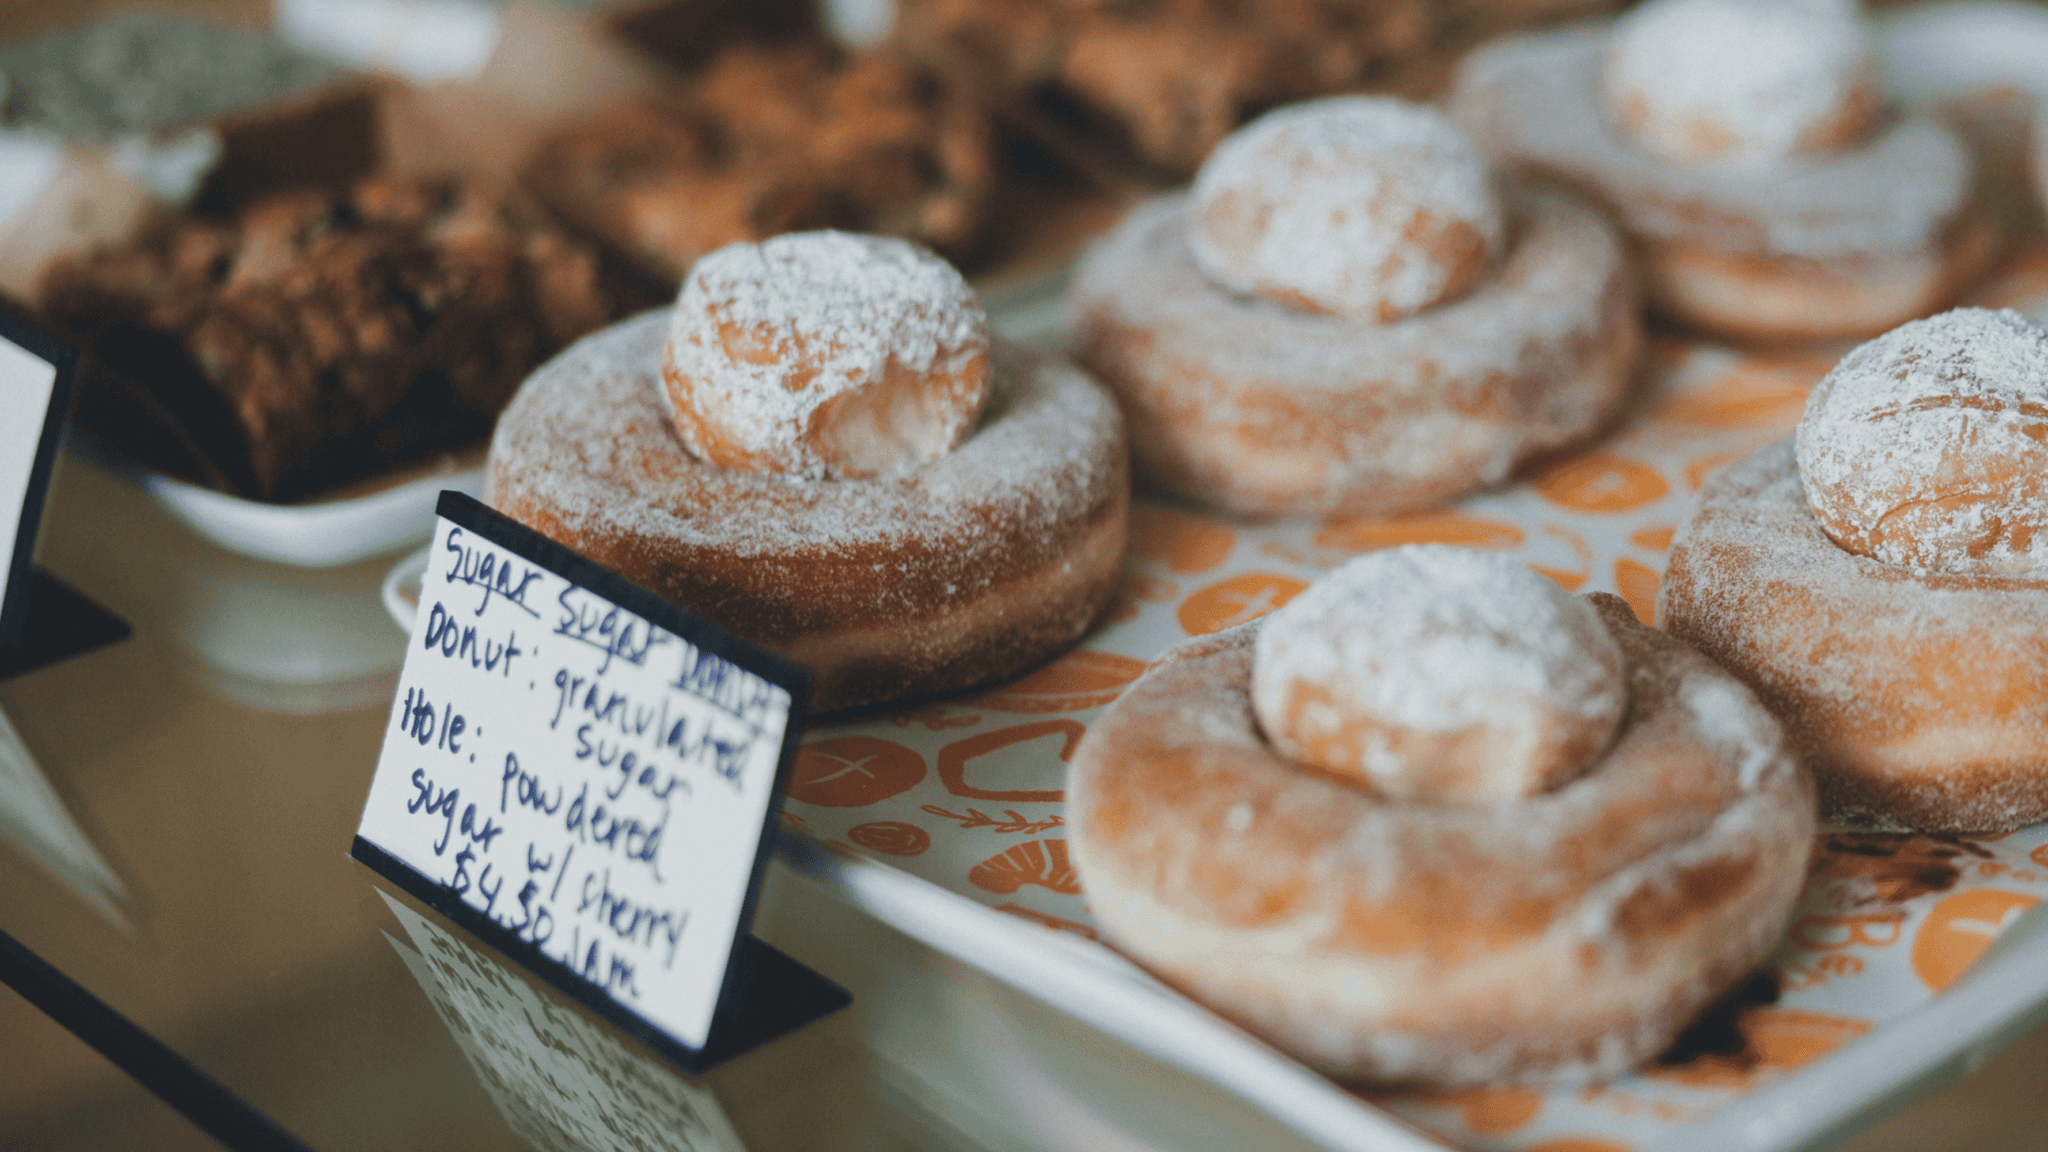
(42, 619)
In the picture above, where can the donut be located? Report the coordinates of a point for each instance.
(1864, 222)
(825, 355)
(1437, 671)
(1262, 409)
(1568, 935)
(1893, 609)
(966, 569)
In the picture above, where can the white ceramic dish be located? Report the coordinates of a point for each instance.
(318, 535)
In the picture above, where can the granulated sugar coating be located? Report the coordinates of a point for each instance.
(1440, 673)
(1741, 82)
(1928, 446)
(1359, 206)
(826, 355)
(1915, 697)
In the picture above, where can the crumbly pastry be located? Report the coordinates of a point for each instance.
(941, 576)
(826, 356)
(1265, 409)
(1878, 580)
(1771, 195)
(1438, 672)
(321, 336)
(1567, 934)
(770, 140)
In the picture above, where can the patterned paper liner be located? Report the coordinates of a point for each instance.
(967, 794)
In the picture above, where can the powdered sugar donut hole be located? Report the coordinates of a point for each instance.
(1439, 674)
(1928, 446)
(1355, 206)
(825, 355)
(1741, 82)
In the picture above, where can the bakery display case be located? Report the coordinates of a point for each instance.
(181, 803)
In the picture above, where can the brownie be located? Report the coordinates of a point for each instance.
(769, 139)
(1163, 81)
(318, 337)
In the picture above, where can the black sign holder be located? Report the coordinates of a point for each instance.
(765, 993)
(42, 619)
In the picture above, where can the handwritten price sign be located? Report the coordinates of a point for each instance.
(581, 774)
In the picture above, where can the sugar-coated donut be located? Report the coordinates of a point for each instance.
(1353, 206)
(1264, 410)
(825, 355)
(1916, 698)
(1567, 936)
(1429, 672)
(1928, 446)
(967, 569)
(1820, 245)
(1741, 82)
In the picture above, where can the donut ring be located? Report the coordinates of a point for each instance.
(1265, 411)
(1915, 698)
(1848, 244)
(966, 570)
(1432, 943)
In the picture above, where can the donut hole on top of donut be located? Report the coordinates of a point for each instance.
(1746, 146)
(821, 450)
(1397, 923)
(1880, 578)
(1438, 674)
(1348, 313)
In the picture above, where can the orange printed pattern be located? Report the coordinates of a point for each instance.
(891, 838)
(1637, 584)
(1750, 396)
(1579, 1144)
(954, 759)
(1696, 473)
(1465, 531)
(1570, 581)
(1235, 601)
(1817, 933)
(852, 771)
(1040, 862)
(1053, 922)
(1487, 1111)
(1183, 541)
(1600, 482)
(1774, 1040)
(1960, 928)
(1011, 822)
(1080, 679)
(1657, 539)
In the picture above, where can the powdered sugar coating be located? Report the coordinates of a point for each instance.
(1928, 446)
(980, 563)
(1439, 673)
(826, 355)
(1265, 410)
(1357, 206)
(1915, 697)
(1741, 82)
(1534, 101)
(1565, 937)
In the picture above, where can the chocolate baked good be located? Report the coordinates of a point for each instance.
(321, 336)
(1166, 80)
(774, 139)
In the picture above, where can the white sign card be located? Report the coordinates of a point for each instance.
(586, 777)
(35, 390)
